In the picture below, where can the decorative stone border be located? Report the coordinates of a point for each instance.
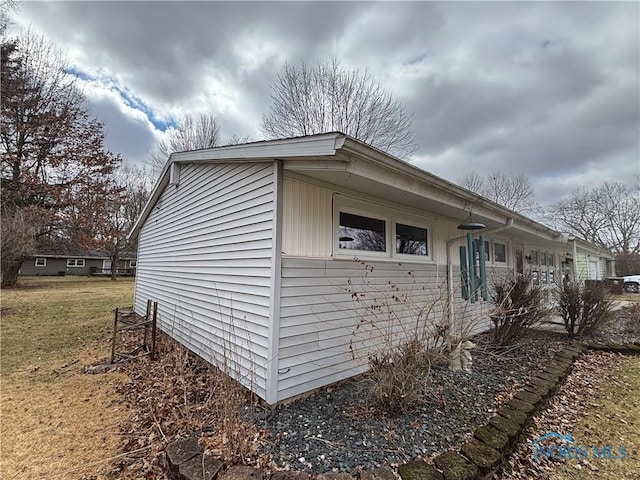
(477, 459)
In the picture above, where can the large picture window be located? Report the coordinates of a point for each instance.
(411, 240)
(357, 232)
(75, 262)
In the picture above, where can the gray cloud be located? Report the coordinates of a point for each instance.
(547, 89)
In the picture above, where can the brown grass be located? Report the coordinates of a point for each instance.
(612, 419)
(57, 422)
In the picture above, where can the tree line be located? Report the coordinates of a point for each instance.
(63, 191)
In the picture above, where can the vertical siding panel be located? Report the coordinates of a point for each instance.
(307, 219)
(204, 254)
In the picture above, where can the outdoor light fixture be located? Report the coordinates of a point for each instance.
(469, 224)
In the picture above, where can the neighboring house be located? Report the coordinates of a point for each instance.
(249, 251)
(77, 264)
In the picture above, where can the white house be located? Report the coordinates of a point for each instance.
(249, 251)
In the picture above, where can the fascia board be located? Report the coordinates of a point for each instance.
(453, 194)
(311, 146)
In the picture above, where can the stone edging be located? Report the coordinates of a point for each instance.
(494, 442)
(477, 459)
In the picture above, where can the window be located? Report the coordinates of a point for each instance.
(41, 262)
(543, 259)
(75, 262)
(519, 261)
(382, 232)
(552, 262)
(411, 240)
(487, 251)
(499, 252)
(361, 233)
(132, 264)
(534, 257)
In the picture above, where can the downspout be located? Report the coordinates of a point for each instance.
(508, 224)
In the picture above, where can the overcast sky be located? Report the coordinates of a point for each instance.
(550, 90)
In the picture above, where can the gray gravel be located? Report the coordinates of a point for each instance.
(338, 429)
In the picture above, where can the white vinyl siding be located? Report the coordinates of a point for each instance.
(204, 255)
(307, 219)
(318, 315)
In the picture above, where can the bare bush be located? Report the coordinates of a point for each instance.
(584, 307)
(519, 306)
(402, 329)
(180, 395)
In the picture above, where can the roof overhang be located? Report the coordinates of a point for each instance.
(341, 160)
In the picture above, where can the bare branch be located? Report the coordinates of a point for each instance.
(327, 98)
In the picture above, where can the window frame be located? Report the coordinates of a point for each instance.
(75, 263)
(391, 216)
(350, 252)
(40, 265)
(416, 223)
(506, 252)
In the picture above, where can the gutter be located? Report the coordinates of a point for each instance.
(507, 225)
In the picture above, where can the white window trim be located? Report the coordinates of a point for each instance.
(411, 222)
(506, 252)
(348, 252)
(75, 262)
(390, 216)
(133, 263)
(41, 265)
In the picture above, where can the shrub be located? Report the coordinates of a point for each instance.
(584, 308)
(519, 306)
(402, 329)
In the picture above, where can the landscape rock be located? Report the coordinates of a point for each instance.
(419, 470)
(241, 473)
(492, 437)
(200, 467)
(382, 473)
(482, 455)
(181, 451)
(455, 467)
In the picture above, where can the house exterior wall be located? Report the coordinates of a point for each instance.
(58, 266)
(326, 329)
(204, 255)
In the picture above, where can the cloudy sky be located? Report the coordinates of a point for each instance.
(550, 90)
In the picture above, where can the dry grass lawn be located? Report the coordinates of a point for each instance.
(57, 422)
(612, 419)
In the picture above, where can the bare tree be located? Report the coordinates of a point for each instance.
(608, 216)
(19, 230)
(513, 191)
(106, 216)
(51, 149)
(191, 133)
(327, 98)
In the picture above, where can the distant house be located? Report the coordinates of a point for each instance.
(249, 251)
(94, 263)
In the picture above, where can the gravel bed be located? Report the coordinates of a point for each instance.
(622, 327)
(338, 429)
